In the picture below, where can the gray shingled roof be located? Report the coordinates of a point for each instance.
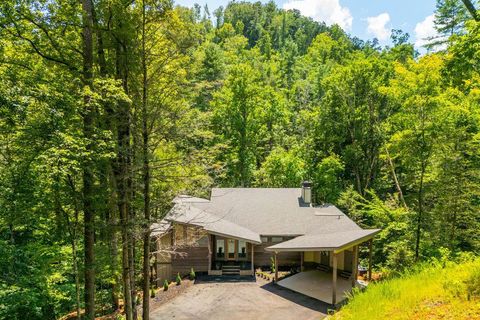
(215, 224)
(246, 213)
(324, 242)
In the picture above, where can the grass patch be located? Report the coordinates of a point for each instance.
(430, 292)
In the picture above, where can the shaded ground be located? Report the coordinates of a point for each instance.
(239, 298)
(317, 284)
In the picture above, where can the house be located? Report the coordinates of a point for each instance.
(240, 229)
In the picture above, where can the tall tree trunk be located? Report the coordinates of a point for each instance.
(122, 173)
(471, 8)
(88, 192)
(146, 181)
(395, 179)
(420, 212)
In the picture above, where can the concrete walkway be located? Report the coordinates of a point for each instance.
(317, 284)
(240, 301)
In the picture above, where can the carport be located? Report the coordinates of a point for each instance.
(324, 280)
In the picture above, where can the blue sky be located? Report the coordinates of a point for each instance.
(364, 19)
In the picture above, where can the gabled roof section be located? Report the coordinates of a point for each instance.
(275, 211)
(188, 214)
(247, 213)
(336, 241)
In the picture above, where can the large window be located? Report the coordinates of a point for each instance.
(242, 249)
(220, 248)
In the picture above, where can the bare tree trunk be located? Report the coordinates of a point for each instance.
(420, 212)
(395, 179)
(88, 192)
(146, 181)
(471, 8)
(122, 172)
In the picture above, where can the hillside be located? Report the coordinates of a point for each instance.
(433, 292)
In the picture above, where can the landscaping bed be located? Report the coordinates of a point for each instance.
(162, 296)
(269, 276)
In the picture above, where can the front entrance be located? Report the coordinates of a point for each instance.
(230, 253)
(232, 249)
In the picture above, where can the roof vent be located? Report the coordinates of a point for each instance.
(307, 192)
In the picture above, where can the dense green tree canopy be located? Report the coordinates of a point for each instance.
(108, 109)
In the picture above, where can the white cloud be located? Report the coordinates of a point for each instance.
(329, 11)
(378, 26)
(424, 31)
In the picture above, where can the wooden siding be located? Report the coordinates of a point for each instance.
(195, 257)
(191, 247)
(262, 258)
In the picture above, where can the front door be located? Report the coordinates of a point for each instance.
(231, 249)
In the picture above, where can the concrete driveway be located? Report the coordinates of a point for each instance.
(239, 300)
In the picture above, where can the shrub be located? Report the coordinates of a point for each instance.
(165, 285)
(152, 293)
(192, 274)
(473, 283)
(272, 264)
(178, 279)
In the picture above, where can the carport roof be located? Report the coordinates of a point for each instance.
(336, 241)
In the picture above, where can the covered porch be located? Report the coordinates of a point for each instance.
(230, 256)
(329, 263)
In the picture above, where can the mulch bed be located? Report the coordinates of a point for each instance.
(173, 290)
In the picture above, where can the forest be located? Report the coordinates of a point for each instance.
(110, 108)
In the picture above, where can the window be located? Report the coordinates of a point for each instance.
(277, 239)
(242, 249)
(264, 239)
(220, 248)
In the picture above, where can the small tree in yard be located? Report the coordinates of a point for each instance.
(165, 285)
(272, 266)
(192, 274)
(178, 279)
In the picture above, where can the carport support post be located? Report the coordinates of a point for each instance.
(355, 266)
(276, 267)
(209, 254)
(370, 244)
(334, 280)
(253, 268)
(301, 260)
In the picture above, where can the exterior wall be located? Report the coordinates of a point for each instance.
(313, 258)
(195, 257)
(163, 260)
(262, 258)
(191, 251)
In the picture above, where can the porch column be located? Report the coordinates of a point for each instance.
(370, 244)
(355, 266)
(301, 260)
(276, 267)
(334, 280)
(209, 254)
(253, 267)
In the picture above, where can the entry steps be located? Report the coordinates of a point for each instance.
(230, 270)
